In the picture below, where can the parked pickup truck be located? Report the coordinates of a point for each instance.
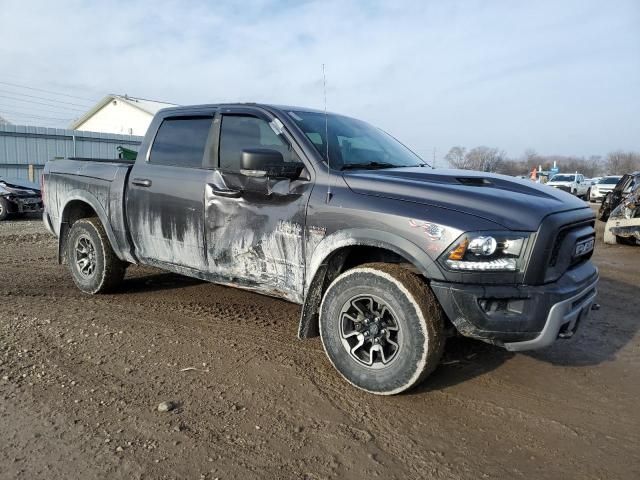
(387, 256)
(573, 183)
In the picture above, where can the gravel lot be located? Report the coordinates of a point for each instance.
(81, 378)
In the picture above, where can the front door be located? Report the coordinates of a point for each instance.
(255, 225)
(165, 201)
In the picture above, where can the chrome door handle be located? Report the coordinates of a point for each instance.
(224, 192)
(141, 182)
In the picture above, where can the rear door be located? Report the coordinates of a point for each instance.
(255, 226)
(165, 198)
(582, 185)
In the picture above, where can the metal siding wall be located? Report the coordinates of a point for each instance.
(25, 145)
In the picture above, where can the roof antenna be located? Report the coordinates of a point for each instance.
(326, 135)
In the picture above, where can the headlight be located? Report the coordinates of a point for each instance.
(486, 252)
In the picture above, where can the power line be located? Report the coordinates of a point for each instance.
(27, 109)
(46, 91)
(45, 98)
(19, 114)
(41, 103)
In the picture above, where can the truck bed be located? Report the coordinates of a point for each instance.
(99, 182)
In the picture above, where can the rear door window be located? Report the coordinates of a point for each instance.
(181, 142)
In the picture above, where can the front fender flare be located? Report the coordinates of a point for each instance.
(319, 275)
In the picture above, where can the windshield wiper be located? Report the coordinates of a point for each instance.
(369, 165)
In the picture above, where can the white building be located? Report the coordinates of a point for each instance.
(119, 114)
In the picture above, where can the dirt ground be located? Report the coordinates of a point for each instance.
(81, 378)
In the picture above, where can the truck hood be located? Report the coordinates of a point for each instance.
(513, 203)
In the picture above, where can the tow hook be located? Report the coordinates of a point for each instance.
(595, 306)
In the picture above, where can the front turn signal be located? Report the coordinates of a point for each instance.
(457, 253)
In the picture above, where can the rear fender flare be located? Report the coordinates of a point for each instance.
(92, 201)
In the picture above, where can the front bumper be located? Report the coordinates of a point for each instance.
(597, 195)
(562, 321)
(25, 204)
(521, 317)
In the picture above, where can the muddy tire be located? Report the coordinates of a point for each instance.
(382, 328)
(4, 209)
(94, 266)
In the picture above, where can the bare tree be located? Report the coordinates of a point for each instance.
(455, 157)
(489, 159)
(485, 159)
(620, 162)
(531, 157)
(482, 158)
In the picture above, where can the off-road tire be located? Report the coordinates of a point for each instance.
(109, 270)
(420, 319)
(4, 209)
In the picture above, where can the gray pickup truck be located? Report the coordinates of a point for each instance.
(387, 256)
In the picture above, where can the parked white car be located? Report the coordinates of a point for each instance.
(595, 180)
(604, 186)
(573, 183)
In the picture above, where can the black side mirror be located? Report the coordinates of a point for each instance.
(265, 162)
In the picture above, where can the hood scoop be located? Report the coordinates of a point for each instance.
(474, 181)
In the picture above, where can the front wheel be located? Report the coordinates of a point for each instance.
(382, 328)
(94, 266)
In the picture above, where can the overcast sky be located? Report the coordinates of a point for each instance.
(562, 77)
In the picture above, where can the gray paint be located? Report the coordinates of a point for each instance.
(288, 238)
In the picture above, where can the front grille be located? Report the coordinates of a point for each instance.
(563, 187)
(562, 256)
(553, 258)
(555, 241)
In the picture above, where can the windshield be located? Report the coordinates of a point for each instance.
(353, 143)
(563, 178)
(609, 180)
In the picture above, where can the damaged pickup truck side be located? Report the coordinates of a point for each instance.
(386, 256)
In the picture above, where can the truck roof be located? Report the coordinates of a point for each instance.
(268, 106)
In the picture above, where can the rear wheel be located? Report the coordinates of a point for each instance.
(4, 209)
(94, 266)
(382, 328)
